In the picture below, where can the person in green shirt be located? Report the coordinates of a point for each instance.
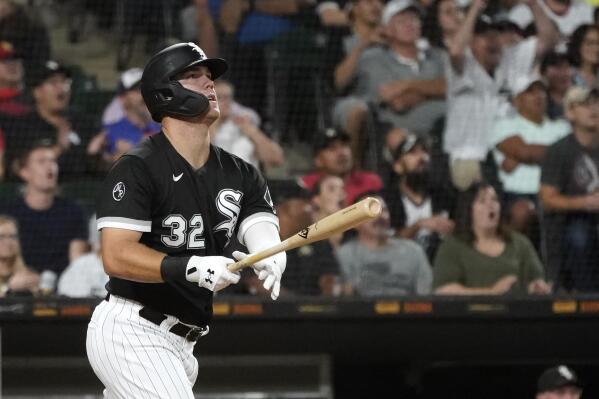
(482, 257)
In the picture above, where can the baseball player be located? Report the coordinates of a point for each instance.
(167, 210)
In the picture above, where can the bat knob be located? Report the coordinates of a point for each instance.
(373, 207)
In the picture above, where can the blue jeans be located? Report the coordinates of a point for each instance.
(580, 253)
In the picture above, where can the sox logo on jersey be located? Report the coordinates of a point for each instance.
(228, 203)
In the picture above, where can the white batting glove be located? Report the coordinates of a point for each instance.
(211, 272)
(269, 270)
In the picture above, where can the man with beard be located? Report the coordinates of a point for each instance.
(377, 264)
(52, 119)
(333, 156)
(417, 211)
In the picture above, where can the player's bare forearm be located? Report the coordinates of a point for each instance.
(125, 257)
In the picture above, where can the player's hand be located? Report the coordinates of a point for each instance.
(211, 272)
(269, 270)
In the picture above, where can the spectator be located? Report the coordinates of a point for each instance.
(335, 13)
(566, 14)
(483, 257)
(53, 229)
(333, 156)
(583, 52)
(376, 264)
(510, 34)
(313, 269)
(11, 93)
(52, 119)
(404, 80)
(557, 74)
(365, 31)
(478, 73)
(418, 211)
(237, 131)
(442, 22)
(199, 25)
(570, 196)
(136, 122)
(84, 277)
(521, 141)
(559, 382)
(30, 37)
(15, 276)
(247, 27)
(11, 83)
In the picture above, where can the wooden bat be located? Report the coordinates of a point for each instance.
(338, 222)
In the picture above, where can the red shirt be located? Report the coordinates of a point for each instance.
(10, 103)
(356, 183)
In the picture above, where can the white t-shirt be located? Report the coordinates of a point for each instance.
(475, 99)
(415, 212)
(525, 179)
(580, 12)
(230, 138)
(84, 277)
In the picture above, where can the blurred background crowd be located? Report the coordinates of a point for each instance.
(476, 124)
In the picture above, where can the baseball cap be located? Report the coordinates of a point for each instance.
(579, 94)
(557, 377)
(45, 71)
(327, 137)
(129, 79)
(505, 25)
(7, 51)
(523, 83)
(407, 145)
(396, 6)
(484, 24)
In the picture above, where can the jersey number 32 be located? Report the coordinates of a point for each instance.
(178, 235)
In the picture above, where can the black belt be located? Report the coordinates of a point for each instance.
(180, 329)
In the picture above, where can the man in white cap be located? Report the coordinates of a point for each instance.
(136, 122)
(404, 79)
(570, 196)
(520, 143)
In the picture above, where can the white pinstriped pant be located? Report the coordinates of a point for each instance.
(135, 358)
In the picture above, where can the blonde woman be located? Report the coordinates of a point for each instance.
(14, 275)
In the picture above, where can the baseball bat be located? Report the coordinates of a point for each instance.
(326, 227)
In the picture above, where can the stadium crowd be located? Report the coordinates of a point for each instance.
(476, 124)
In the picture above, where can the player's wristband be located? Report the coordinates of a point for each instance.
(173, 269)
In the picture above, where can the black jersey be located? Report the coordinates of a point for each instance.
(181, 212)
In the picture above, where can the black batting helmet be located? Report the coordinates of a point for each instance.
(165, 96)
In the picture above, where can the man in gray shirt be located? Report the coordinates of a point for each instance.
(405, 79)
(376, 264)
